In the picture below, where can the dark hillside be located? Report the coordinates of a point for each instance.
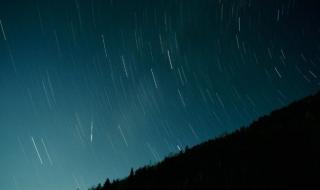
(278, 151)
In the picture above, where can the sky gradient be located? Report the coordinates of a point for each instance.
(92, 88)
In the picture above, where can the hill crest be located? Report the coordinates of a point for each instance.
(279, 150)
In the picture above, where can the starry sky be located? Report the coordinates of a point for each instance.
(92, 88)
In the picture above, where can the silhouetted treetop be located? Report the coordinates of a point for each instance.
(278, 151)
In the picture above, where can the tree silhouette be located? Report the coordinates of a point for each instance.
(131, 173)
(107, 184)
(278, 151)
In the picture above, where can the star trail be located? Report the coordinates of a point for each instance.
(92, 88)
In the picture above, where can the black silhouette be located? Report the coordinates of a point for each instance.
(279, 151)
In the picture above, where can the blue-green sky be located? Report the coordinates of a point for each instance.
(91, 88)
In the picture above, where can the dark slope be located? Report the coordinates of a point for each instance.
(278, 151)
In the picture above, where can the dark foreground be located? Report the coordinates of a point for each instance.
(278, 151)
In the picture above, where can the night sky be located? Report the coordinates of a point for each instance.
(92, 88)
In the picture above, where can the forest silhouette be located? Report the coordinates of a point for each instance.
(278, 151)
